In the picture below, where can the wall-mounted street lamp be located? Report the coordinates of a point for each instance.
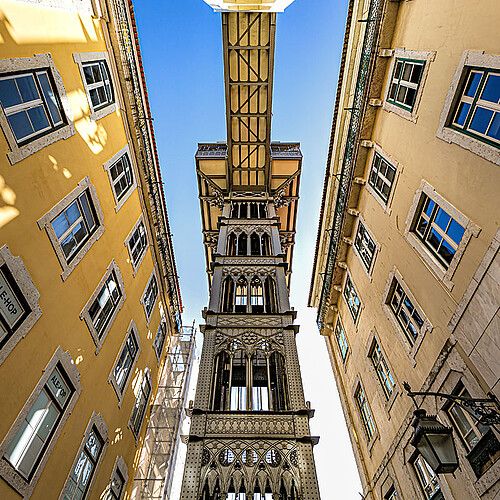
(434, 441)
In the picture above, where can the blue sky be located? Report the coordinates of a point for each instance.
(181, 46)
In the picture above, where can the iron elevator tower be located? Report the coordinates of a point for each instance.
(249, 436)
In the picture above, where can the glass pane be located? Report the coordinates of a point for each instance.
(491, 91)
(463, 110)
(94, 97)
(417, 71)
(72, 213)
(481, 120)
(38, 118)
(58, 386)
(87, 71)
(50, 98)
(21, 126)
(446, 251)
(434, 239)
(455, 231)
(494, 130)
(407, 72)
(93, 444)
(79, 232)
(27, 88)
(87, 212)
(472, 84)
(442, 219)
(68, 245)
(9, 95)
(429, 207)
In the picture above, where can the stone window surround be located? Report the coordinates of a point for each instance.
(97, 422)
(85, 57)
(361, 220)
(84, 315)
(10, 475)
(30, 294)
(411, 351)
(148, 318)
(400, 52)
(146, 373)
(107, 167)
(136, 267)
(399, 169)
(387, 403)
(19, 153)
(471, 229)
(470, 58)
(45, 222)
(388, 483)
(120, 394)
(361, 305)
(121, 466)
(369, 442)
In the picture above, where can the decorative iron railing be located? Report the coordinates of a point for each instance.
(350, 152)
(219, 150)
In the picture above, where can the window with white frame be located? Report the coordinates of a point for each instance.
(88, 459)
(137, 243)
(365, 412)
(365, 246)
(125, 362)
(98, 84)
(382, 177)
(121, 175)
(74, 225)
(150, 295)
(19, 308)
(406, 77)
(427, 478)
(159, 341)
(28, 444)
(104, 304)
(341, 339)
(351, 297)
(381, 369)
(141, 404)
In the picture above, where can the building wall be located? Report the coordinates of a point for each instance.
(30, 187)
(466, 176)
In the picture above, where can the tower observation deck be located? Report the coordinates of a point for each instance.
(249, 436)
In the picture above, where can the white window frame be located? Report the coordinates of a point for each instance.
(85, 314)
(411, 351)
(45, 222)
(143, 302)
(370, 441)
(120, 393)
(368, 271)
(121, 468)
(88, 57)
(7, 472)
(39, 61)
(135, 266)
(376, 149)
(146, 376)
(30, 295)
(107, 167)
(443, 274)
(96, 423)
(355, 320)
(470, 58)
(402, 53)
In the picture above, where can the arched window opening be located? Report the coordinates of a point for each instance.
(235, 210)
(254, 244)
(260, 382)
(222, 372)
(254, 210)
(240, 302)
(238, 399)
(256, 296)
(277, 382)
(227, 295)
(216, 495)
(262, 210)
(265, 244)
(242, 244)
(231, 244)
(270, 296)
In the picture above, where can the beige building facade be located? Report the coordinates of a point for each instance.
(406, 272)
(89, 299)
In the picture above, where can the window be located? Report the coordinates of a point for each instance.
(74, 225)
(405, 80)
(341, 338)
(256, 296)
(89, 457)
(351, 297)
(118, 482)
(241, 296)
(392, 494)
(159, 341)
(382, 177)
(382, 369)
(35, 111)
(137, 243)
(141, 403)
(31, 438)
(438, 232)
(427, 478)
(149, 296)
(405, 312)
(365, 246)
(365, 413)
(121, 176)
(478, 110)
(104, 304)
(471, 111)
(94, 70)
(31, 104)
(19, 309)
(124, 364)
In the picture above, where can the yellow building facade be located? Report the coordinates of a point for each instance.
(405, 275)
(90, 300)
